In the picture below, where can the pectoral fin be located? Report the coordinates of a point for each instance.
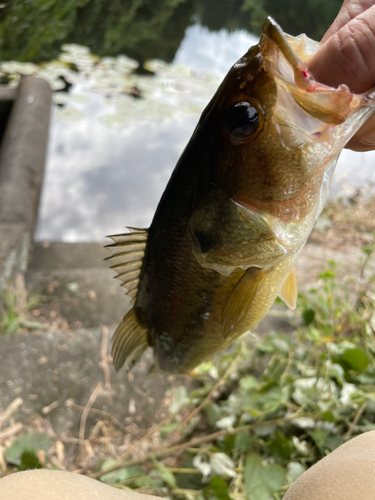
(241, 298)
(129, 341)
(288, 291)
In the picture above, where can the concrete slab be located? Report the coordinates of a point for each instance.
(51, 370)
(82, 297)
(76, 278)
(60, 255)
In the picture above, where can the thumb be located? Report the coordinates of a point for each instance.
(348, 55)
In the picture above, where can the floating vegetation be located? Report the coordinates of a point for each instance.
(166, 92)
(68, 114)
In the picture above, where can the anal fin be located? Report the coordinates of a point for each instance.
(240, 299)
(288, 291)
(129, 341)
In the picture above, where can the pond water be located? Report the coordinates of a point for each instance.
(111, 152)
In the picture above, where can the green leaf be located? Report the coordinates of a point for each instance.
(354, 359)
(249, 383)
(36, 441)
(243, 443)
(213, 413)
(165, 474)
(333, 441)
(280, 446)
(205, 367)
(229, 443)
(119, 475)
(319, 436)
(219, 488)
(295, 470)
(326, 275)
(168, 428)
(328, 416)
(262, 481)
(275, 367)
(189, 481)
(29, 460)
(270, 397)
(308, 316)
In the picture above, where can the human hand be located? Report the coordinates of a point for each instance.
(348, 56)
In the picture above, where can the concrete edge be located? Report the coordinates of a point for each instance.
(7, 98)
(25, 118)
(23, 153)
(14, 253)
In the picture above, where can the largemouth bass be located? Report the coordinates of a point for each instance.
(239, 206)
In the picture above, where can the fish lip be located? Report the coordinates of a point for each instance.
(285, 58)
(302, 77)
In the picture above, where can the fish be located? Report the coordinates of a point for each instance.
(238, 208)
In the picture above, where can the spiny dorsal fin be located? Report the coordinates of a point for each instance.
(129, 342)
(288, 291)
(240, 299)
(128, 252)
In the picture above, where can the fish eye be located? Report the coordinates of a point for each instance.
(243, 121)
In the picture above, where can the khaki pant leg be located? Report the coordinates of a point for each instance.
(348, 473)
(59, 485)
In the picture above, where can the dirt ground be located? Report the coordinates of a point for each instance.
(346, 223)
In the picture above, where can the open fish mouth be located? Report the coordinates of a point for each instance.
(286, 58)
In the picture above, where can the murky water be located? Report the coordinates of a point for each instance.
(111, 154)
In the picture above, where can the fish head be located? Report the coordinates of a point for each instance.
(273, 126)
(270, 138)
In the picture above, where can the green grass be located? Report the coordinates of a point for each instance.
(15, 315)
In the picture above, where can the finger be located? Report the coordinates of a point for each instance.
(364, 139)
(349, 10)
(348, 55)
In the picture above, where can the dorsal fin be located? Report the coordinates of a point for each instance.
(128, 252)
(129, 341)
(288, 291)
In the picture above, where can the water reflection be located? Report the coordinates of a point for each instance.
(100, 179)
(111, 154)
